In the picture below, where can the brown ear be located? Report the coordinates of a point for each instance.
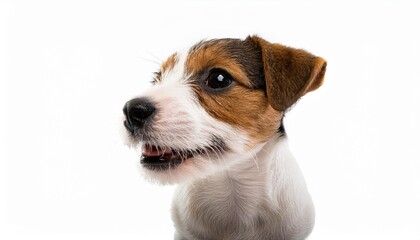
(289, 73)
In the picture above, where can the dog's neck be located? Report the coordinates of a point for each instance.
(270, 173)
(269, 183)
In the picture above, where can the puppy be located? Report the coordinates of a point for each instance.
(213, 123)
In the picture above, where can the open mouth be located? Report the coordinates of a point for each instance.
(158, 158)
(164, 158)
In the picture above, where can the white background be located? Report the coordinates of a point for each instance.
(67, 68)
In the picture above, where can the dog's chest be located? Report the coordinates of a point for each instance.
(224, 208)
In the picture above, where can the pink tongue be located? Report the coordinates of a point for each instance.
(152, 151)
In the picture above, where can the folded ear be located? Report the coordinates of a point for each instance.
(289, 73)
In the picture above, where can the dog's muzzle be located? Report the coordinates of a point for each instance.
(137, 111)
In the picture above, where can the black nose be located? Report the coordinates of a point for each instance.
(137, 111)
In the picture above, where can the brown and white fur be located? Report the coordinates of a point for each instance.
(212, 122)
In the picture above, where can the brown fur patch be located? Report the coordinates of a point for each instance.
(241, 104)
(245, 108)
(213, 54)
(169, 63)
(289, 73)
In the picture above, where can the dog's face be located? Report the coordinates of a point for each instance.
(216, 105)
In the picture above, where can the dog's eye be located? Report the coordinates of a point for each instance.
(218, 79)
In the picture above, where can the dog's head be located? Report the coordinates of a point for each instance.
(216, 105)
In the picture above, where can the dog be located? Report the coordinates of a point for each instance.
(212, 122)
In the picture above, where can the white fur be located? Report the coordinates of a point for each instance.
(237, 194)
(263, 197)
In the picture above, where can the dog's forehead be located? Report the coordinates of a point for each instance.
(241, 58)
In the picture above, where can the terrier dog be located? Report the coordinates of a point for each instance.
(213, 123)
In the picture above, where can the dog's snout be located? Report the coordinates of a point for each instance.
(137, 111)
